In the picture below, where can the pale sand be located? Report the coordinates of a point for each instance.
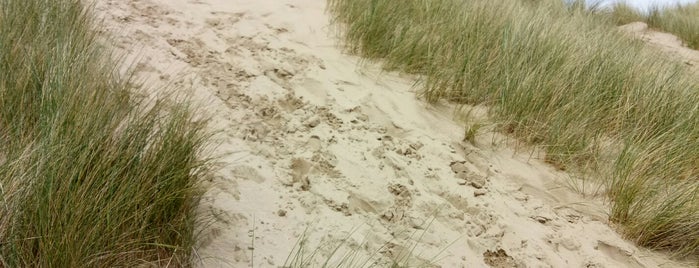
(665, 42)
(312, 142)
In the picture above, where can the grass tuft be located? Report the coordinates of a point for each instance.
(89, 177)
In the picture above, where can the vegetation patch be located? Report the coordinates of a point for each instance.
(563, 78)
(680, 20)
(89, 176)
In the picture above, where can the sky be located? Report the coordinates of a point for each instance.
(645, 4)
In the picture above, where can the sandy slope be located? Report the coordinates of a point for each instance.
(665, 42)
(311, 142)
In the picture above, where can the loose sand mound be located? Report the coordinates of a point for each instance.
(310, 142)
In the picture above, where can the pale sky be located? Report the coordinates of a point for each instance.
(645, 4)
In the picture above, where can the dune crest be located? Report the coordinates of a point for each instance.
(666, 42)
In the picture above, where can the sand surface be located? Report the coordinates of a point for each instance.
(665, 42)
(313, 144)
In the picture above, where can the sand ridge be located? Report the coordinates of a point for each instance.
(665, 42)
(312, 143)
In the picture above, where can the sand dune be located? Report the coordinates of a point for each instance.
(665, 42)
(313, 142)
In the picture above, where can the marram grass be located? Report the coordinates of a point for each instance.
(680, 20)
(89, 177)
(562, 78)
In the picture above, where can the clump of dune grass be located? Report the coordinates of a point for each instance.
(680, 20)
(564, 79)
(89, 177)
(622, 13)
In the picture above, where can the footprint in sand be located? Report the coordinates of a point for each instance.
(299, 173)
(615, 253)
(402, 203)
(468, 174)
(500, 259)
(247, 173)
